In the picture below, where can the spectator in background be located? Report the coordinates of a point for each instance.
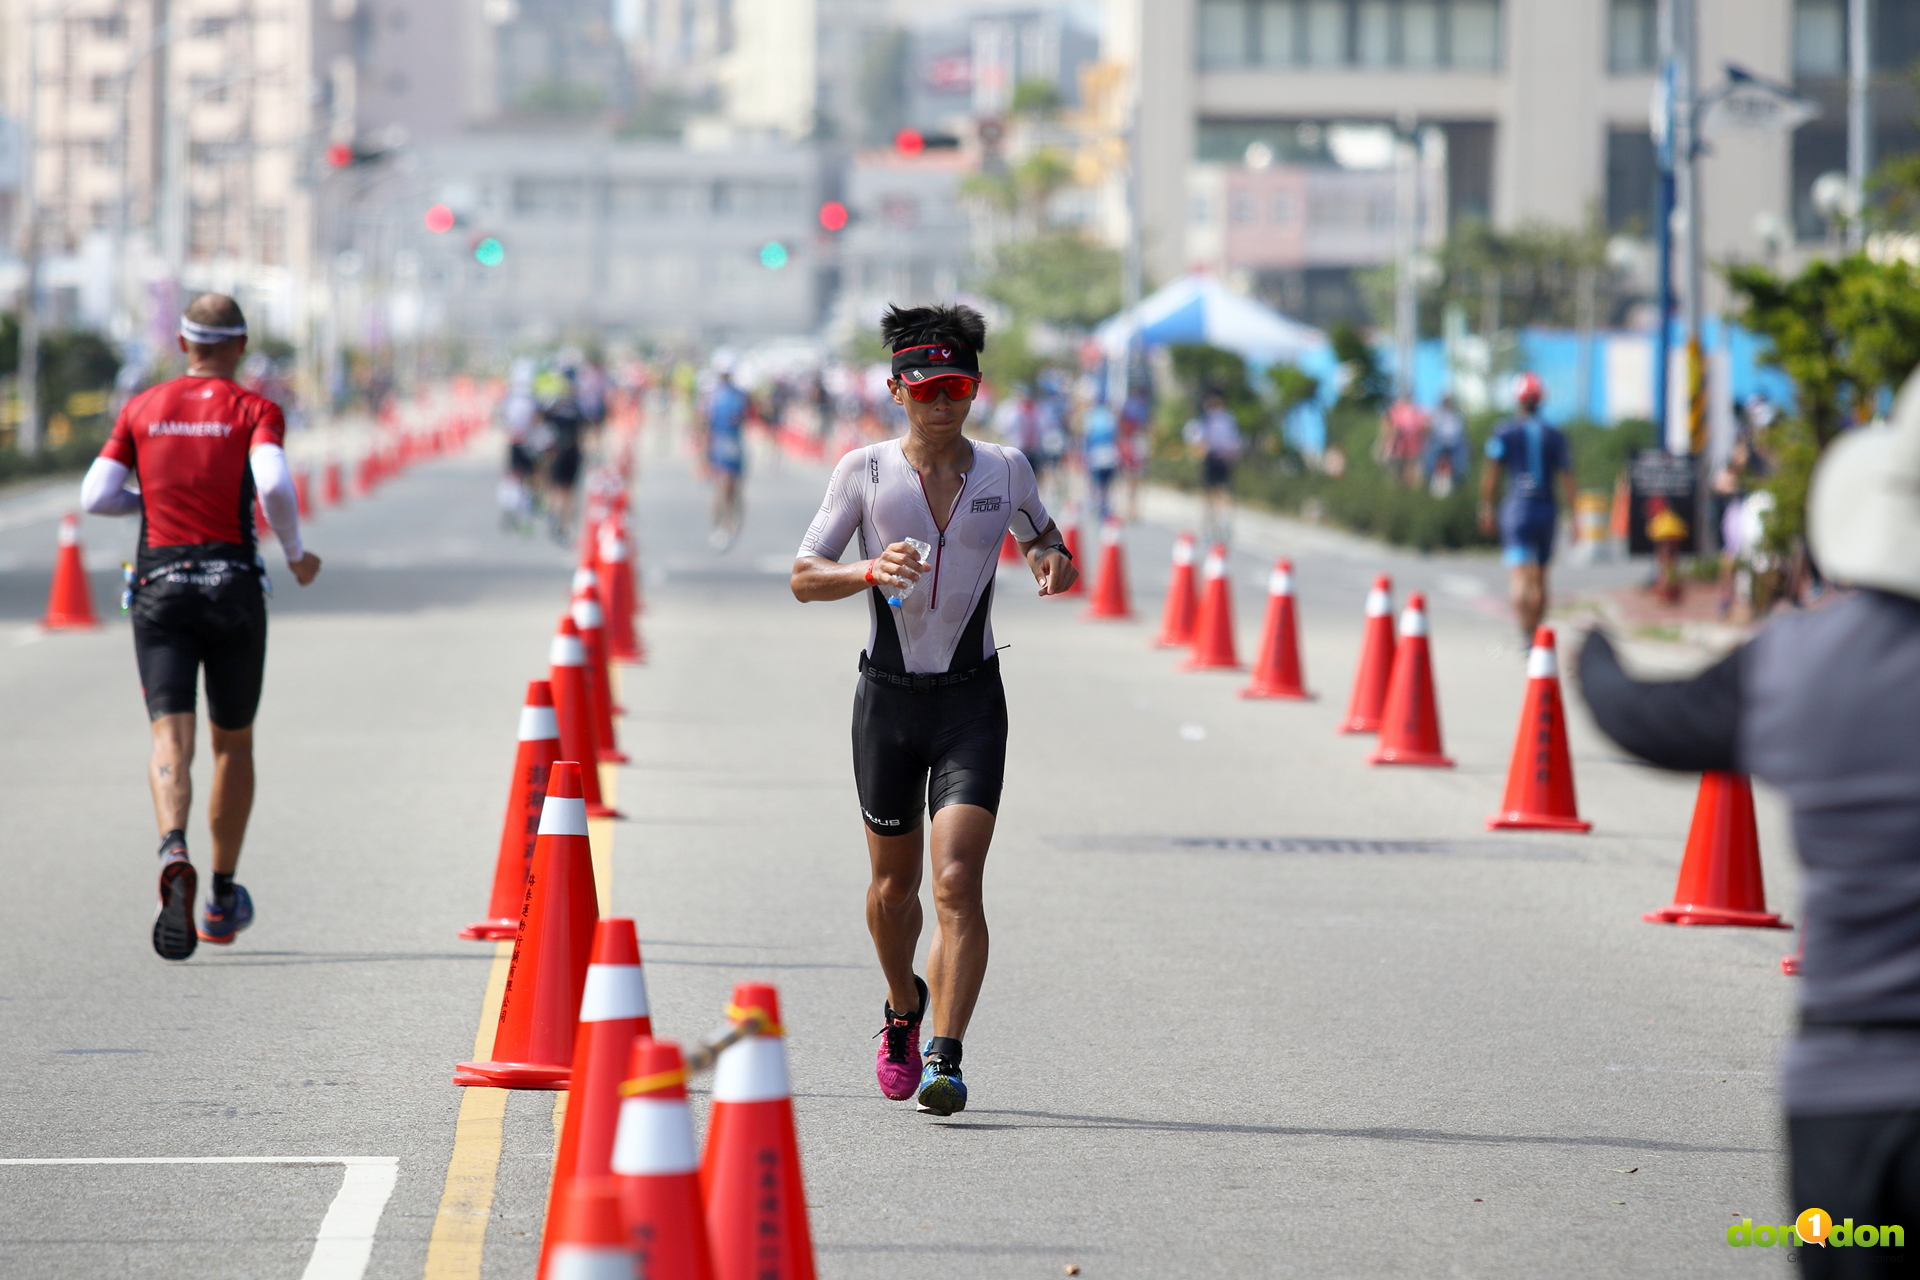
(1215, 436)
(1100, 429)
(1446, 442)
(1136, 413)
(1403, 436)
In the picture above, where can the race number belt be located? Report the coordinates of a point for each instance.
(925, 681)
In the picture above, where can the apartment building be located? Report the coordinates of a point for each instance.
(1540, 107)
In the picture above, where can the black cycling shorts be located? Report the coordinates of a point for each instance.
(915, 752)
(231, 645)
(564, 468)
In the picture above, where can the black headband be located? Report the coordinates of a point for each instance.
(936, 360)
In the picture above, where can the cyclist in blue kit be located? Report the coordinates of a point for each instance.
(1533, 454)
(929, 716)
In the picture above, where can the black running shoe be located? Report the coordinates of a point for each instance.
(174, 935)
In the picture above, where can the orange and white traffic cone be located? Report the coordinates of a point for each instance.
(588, 619)
(332, 492)
(1213, 630)
(1110, 581)
(69, 599)
(533, 1046)
(750, 1172)
(616, 574)
(1070, 535)
(1720, 880)
(1176, 616)
(584, 1239)
(656, 1168)
(1410, 723)
(1276, 671)
(573, 703)
(613, 1011)
(302, 486)
(1375, 672)
(526, 795)
(1540, 778)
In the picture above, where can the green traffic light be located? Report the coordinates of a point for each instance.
(489, 252)
(773, 255)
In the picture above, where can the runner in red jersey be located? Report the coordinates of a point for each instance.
(202, 450)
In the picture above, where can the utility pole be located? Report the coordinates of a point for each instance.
(1859, 130)
(27, 432)
(1705, 539)
(1406, 298)
(1663, 216)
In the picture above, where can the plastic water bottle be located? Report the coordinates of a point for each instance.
(900, 594)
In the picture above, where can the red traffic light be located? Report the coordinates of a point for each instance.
(833, 216)
(439, 219)
(339, 155)
(909, 142)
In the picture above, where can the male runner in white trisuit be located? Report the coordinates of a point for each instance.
(929, 717)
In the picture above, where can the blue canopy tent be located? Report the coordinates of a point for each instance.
(1199, 308)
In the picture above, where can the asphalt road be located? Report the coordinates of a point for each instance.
(1200, 1051)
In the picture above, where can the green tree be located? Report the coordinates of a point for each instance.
(1845, 331)
(1368, 386)
(1059, 277)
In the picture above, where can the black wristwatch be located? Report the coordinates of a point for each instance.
(1061, 547)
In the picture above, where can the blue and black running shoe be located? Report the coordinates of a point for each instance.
(942, 1091)
(173, 933)
(221, 920)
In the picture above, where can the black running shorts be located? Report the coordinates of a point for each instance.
(231, 646)
(925, 751)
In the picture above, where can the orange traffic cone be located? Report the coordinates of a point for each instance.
(1410, 722)
(1110, 582)
(1071, 537)
(750, 1172)
(1276, 672)
(533, 1047)
(69, 600)
(526, 794)
(1371, 677)
(573, 702)
(1176, 618)
(616, 573)
(1540, 779)
(1720, 879)
(584, 1238)
(332, 492)
(613, 1010)
(1010, 550)
(656, 1169)
(1213, 629)
(587, 619)
(302, 486)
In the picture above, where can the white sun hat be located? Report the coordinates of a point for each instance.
(1863, 507)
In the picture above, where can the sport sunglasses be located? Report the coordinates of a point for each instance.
(956, 389)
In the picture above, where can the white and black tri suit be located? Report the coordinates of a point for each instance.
(930, 717)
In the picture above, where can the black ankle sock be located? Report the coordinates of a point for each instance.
(945, 1047)
(174, 839)
(222, 885)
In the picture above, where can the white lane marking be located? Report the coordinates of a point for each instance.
(345, 1240)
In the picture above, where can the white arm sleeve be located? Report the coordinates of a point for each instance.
(275, 485)
(104, 492)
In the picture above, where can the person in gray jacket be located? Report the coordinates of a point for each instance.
(1825, 706)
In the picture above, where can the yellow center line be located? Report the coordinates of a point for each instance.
(466, 1204)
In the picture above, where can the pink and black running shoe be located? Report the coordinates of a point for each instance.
(897, 1065)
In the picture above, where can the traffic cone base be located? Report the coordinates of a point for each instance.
(1213, 629)
(1375, 671)
(533, 1046)
(1410, 721)
(1276, 669)
(1540, 794)
(1720, 880)
(1177, 615)
(70, 598)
